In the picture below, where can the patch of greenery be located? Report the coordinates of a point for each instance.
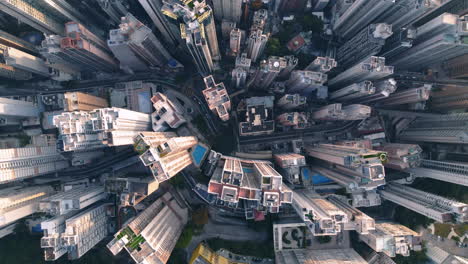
(311, 23)
(177, 256)
(442, 229)
(185, 237)
(24, 140)
(324, 239)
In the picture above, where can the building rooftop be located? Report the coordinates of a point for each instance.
(258, 116)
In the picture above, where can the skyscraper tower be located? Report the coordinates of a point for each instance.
(305, 82)
(268, 71)
(18, 202)
(406, 12)
(322, 64)
(164, 153)
(198, 30)
(371, 68)
(12, 112)
(256, 44)
(235, 41)
(20, 163)
(358, 15)
(114, 9)
(170, 32)
(136, 47)
(217, 98)
(228, 9)
(83, 46)
(439, 39)
(152, 235)
(367, 42)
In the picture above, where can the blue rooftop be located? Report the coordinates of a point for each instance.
(198, 153)
(315, 178)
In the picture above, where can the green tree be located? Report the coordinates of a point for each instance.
(273, 47)
(185, 237)
(311, 23)
(415, 257)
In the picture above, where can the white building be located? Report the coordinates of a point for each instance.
(167, 114)
(13, 111)
(20, 163)
(72, 200)
(321, 217)
(153, 234)
(18, 202)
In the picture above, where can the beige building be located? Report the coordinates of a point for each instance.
(153, 234)
(217, 98)
(164, 153)
(78, 101)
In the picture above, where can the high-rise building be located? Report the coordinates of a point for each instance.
(291, 101)
(295, 120)
(402, 39)
(305, 82)
(291, 63)
(442, 129)
(322, 64)
(447, 171)
(412, 95)
(401, 156)
(257, 116)
(440, 209)
(256, 44)
(358, 15)
(258, 182)
(365, 163)
(228, 9)
(363, 193)
(457, 67)
(72, 200)
(339, 112)
(268, 71)
(25, 61)
(84, 230)
(198, 30)
(34, 16)
(458, 7)
(259, 20)
(167, 114)
(392, 239)
(449, 97)
(235, 41)
(75, 233)
(320, 216)
(353, 91)
(370, 69)
(99, 128)
(164, 153)
(226, 27)
(238, 77)
(440, 39)
(368, 42)
(12, 112)
(407, 12)
(383, 89)
(358, 221)
(217, 98)
(18, 202)
(84, 47)
(136, 47)
(153, 234)
(290, 165)
(169, 31)
(78, 101)
(20, 163)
